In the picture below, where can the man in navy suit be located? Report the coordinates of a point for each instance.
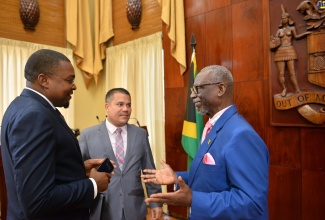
(228, 178)
(46, 177)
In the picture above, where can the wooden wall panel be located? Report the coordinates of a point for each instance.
(313, 194)
(194, 7)
(247, 41)
(213, 4)
(313, 149)
(176, 157)
(195, 26)
(285, 193)
(50, 29)
(219, 38)
(248, 97)
(284, 146)
(150, 21)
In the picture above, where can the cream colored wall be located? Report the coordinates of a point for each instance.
(90, 102)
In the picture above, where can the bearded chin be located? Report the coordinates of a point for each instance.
(66, 105)
(202, 110)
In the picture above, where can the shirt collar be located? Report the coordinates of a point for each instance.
(111, 128)
(42, 96)
(218, 115)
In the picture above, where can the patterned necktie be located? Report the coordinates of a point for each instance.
(119, 148)
(206, 130)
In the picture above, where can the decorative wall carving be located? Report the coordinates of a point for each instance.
(309, 101)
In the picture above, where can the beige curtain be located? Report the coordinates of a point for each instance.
(89, 27)
(138, 67)
(172, 13)
(13, 57)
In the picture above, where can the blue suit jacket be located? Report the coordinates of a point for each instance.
(44, 171)
(236, 187)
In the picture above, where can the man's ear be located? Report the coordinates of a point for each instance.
(222, 89)
(43, 80)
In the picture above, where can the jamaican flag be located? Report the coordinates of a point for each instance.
(193, 121)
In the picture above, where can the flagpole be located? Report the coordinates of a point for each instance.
(193, 42)
(193, 121)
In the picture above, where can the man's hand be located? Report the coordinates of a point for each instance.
(95, 163)
(92, 163)
(164, 176)
(182, 197)
(102, 179)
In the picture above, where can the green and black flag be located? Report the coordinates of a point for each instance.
(193, 121)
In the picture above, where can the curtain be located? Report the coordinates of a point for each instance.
(138, 67)
(172, 13)
(13, 57)
(89, 27)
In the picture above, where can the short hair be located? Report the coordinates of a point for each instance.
(43, 61)
(221, 74)
(110, 93)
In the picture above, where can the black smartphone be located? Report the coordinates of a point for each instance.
(106, 166)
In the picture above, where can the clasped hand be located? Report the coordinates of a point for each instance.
(102, 179)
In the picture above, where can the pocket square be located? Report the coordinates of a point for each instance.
(208, 159)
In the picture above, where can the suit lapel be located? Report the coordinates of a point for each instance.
(131, 136)
(106, 145)
(209, 141)
(203, 149)
(64, 123)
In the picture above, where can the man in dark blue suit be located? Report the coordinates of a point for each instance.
(46, 177)
(228, 178)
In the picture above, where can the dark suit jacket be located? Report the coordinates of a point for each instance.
(125, 189)
(44, 170)
(236, 186)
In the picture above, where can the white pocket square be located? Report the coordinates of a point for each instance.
(208, 159)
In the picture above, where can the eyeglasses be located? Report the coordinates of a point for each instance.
(70, 81)
(195, 89)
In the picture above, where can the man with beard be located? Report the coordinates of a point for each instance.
(46, 177)
(228, 178)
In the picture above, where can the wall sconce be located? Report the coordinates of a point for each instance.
(133, 12)
(29, 13)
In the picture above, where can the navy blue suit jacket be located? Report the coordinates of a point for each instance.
(44, 170)
(236, 186)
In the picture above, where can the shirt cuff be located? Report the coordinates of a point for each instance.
(95, 187)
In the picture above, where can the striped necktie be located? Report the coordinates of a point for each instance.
(119, 148)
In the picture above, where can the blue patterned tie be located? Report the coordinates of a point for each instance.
(119, 148)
